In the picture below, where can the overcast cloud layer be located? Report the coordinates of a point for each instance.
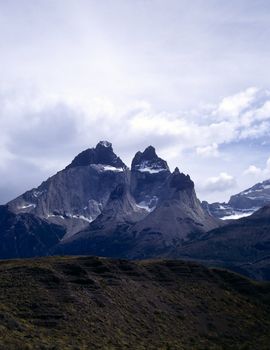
(189, 77)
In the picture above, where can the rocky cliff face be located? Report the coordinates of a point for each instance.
(125, 229)
(178, 217)
(75, 196)
(109, 234)
(148, 175)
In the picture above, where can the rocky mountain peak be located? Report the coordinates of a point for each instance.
(105, 144)
(102, 154)
(180, 181)
(148, 161)
(150, 153)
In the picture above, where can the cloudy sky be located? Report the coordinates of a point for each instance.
(189, 77)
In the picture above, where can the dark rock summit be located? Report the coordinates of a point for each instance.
(179, 181)
(101, 154)
(148, 161)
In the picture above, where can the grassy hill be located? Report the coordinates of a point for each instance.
(96, 303)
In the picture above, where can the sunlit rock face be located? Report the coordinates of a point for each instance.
(75, 196)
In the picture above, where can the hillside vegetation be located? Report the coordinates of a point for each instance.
(98, 303)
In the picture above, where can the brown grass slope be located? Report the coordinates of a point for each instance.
(98, 303)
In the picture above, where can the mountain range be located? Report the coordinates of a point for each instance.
(97, 205)
(98, 196)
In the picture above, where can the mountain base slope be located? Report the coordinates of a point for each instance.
(98, 303)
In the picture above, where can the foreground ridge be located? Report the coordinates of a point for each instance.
(97, 303)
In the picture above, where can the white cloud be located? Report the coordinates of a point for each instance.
(255, 131)
(48, 130)
(208, 151)
(220, 183)
(259, 172)
(232, 106)
(115, 75)
(253, 170)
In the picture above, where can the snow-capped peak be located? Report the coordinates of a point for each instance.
(148, 161)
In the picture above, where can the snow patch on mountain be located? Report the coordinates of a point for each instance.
(149, 167)
(103, 168)
(26, 206)
(82, 217)
(54, 215)
(112, 168)
(237, 215)
(73, 216)
(144, 205)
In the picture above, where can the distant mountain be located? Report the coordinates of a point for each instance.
(255, 197)
(242, 204)
(243, 246)
(97, 303)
